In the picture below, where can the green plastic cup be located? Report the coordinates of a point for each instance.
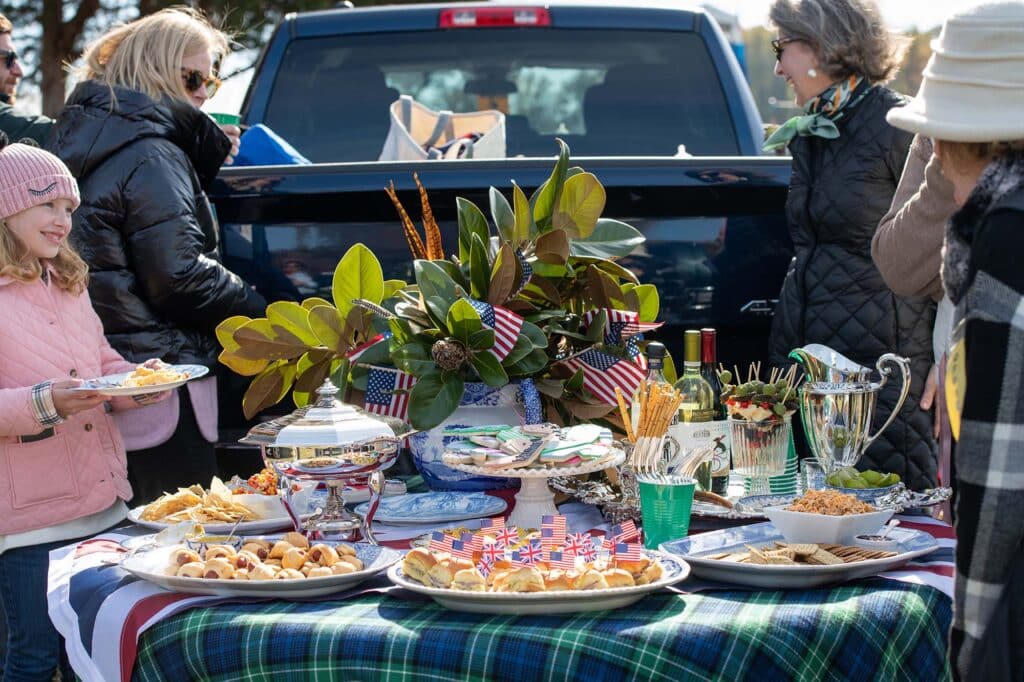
(225, 119)
(665, 508)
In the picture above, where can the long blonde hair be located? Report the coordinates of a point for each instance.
(146, 54)
(70, 272)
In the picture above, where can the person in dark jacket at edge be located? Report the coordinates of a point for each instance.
(970, 104)
(847, 162)
(15, 125)
(144, 154)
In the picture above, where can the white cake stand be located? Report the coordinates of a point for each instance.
(535, 499)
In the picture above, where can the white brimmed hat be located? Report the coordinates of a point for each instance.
(973, 87)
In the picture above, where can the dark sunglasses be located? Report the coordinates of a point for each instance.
(10, 56)
(195, 79)
(779, 46)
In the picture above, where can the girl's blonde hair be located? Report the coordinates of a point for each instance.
(70, 272)
(146, 54)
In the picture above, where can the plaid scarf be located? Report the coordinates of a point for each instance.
(821, 113)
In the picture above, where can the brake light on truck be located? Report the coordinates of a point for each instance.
(493, 17)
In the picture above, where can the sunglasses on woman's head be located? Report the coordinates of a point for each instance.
(195, 79)
(779, 46)
(10, 56)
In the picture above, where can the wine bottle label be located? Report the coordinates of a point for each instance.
(697, 434)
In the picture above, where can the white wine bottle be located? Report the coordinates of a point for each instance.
(697, 411)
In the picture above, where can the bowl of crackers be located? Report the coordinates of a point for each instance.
(826, 516)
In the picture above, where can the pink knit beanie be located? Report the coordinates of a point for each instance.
(30, 176)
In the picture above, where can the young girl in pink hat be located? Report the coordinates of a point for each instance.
(62, 464)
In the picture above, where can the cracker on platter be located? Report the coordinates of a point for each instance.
(800, 554)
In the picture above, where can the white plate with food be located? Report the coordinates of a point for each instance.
(548, 602)
(153, 566)
(217, 509)
(143, 380)
(718, 555)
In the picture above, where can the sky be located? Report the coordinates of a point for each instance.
(900, 14)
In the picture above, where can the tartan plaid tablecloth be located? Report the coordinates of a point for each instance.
(871, 630)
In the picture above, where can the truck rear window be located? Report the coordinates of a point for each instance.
(607, 93)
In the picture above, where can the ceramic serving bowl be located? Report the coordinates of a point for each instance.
(823, 528)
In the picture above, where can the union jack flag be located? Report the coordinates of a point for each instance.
(562, 560)
(507, 536)
(354, 354)
(603, 372)
(493, 552)
(492, 525)
(589, 552)
(387, 391)
(440, 542)
(575, 543)
(529, 553)
(628, 551)
(624, 532)
(622, 324)
(461, 550)
(485, 566)
(505, 323)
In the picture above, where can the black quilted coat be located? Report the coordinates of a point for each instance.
(834, 295)
(145, 226)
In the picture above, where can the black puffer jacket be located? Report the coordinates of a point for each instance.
(834, 295)
(145, 226)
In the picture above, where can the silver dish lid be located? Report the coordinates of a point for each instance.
(328, 423)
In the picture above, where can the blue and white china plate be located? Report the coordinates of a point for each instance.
(545, 603)
(753, 505)
(696, 548)
(435, 507)
(112, 384)
(150, 565)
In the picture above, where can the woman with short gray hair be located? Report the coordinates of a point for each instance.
(847, 162)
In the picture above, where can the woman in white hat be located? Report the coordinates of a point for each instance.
(971, 104)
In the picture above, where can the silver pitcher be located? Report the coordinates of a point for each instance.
(838, 402)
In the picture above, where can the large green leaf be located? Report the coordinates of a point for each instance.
(471, 222)
(294, 318)
(489, 369)
(531, 364)
(415, 359)
(503, 276)
(226, 331)
(504, 218)
(479, 269)
(358, 275)
(268, 388)
(434, 281)
(534, 334)
(524, 228)
(546, 197)
(240, 365)
(391, 286)
(463, 320)
(433, 399)
(482, 339)
(596, 329)
(553, 247)
(524, 346)
(650, 304)
(610, 239)
(328, 327)
(311, 370)
(608, 266)
(580, 205)
(260, 340)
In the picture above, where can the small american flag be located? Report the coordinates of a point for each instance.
(527, 270)
(493, 552)
(624, 532)
(622, 324)
(507, 536)
(529, 554)
(485, 566)
(505, 323)
(473, 541)
(387, 392)
(603, 372)
(628, 551)
(354, 354)
(633, 351)
(575, 543)
(562, 560)
(440, 542)
(490, 526)
(552, 531)
(461, 550)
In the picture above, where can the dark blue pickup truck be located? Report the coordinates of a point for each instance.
(649, 99)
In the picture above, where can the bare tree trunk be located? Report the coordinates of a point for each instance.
(59, 46)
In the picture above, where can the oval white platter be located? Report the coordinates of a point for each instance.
(281, 521)
(111, 384)
(696, 548)
(149, 565)
(544, 603)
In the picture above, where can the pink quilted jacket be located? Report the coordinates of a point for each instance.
(48, 333)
